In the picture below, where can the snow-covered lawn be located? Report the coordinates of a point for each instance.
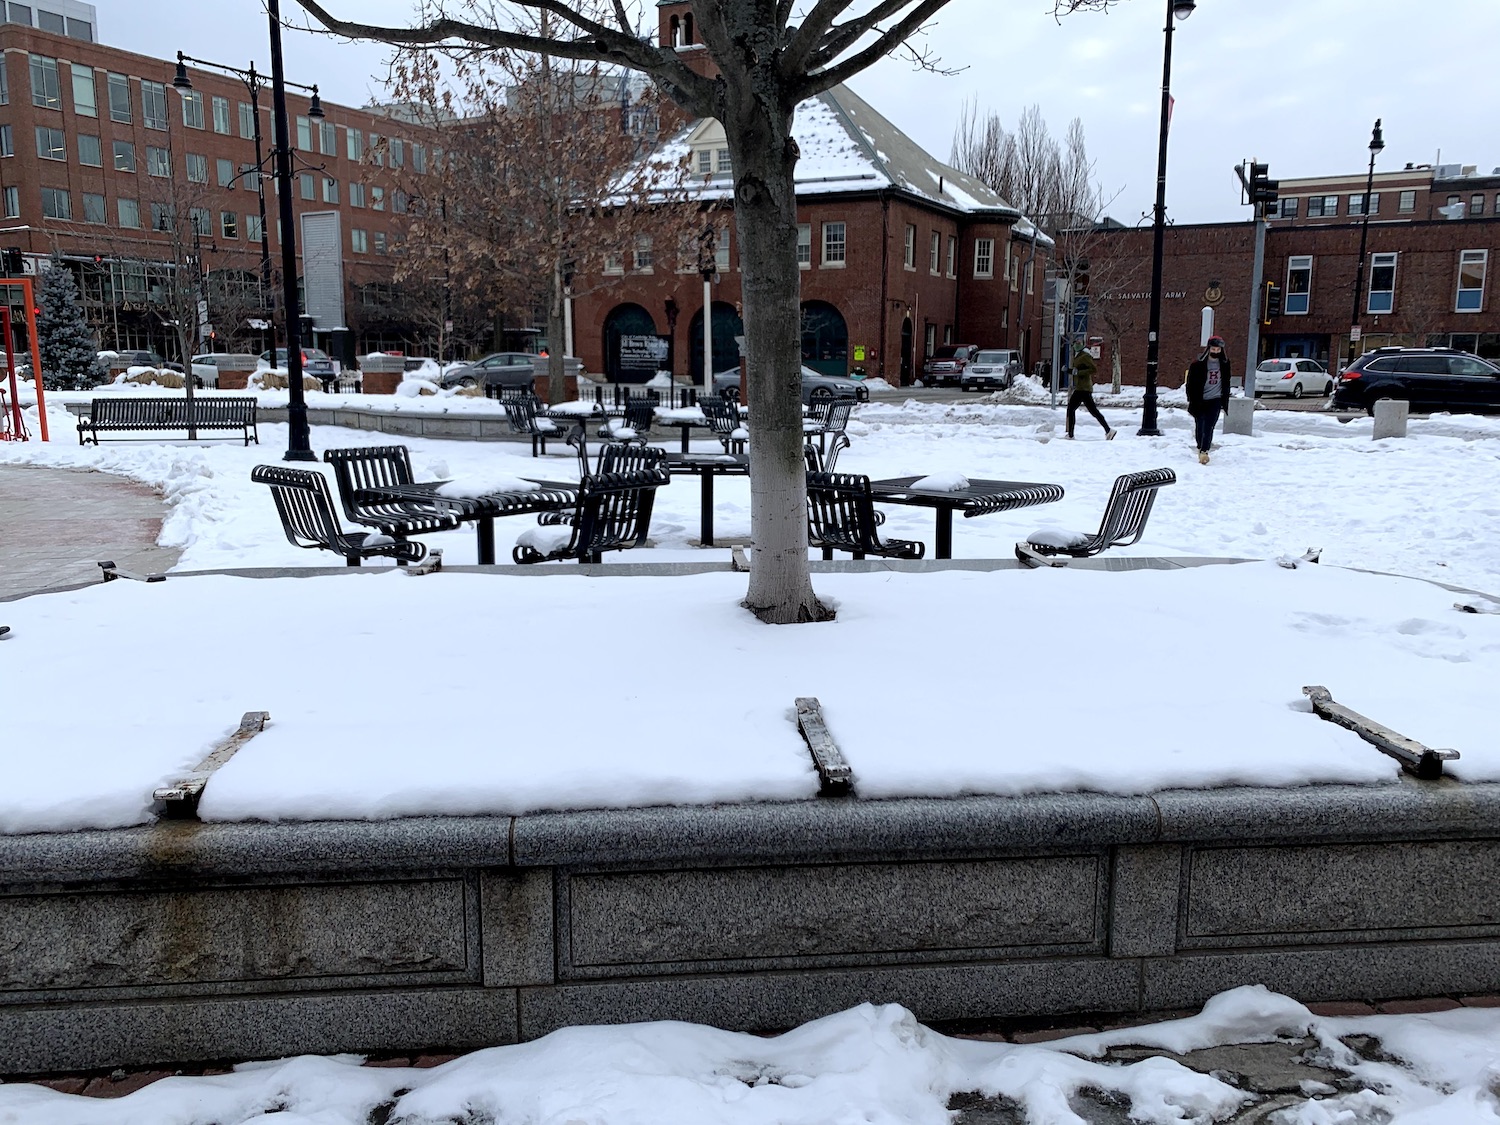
(876, 1065)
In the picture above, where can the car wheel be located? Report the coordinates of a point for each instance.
(820, 396)
(468, 381)
(1297, 389)
(1327, 389)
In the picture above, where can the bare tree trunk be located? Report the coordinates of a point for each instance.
(755, 118)
(557, 383)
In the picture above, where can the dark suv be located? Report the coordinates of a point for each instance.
(945, 367)
(1428, 378)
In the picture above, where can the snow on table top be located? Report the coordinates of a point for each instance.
(483, 707)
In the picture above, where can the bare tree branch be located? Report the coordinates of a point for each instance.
(837, 39)
(888, 41)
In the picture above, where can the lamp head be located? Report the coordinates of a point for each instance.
(1181, 9)
(315, 106)
(180, 81)
(1377, 139)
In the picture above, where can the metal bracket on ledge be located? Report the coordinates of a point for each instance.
(834, 773)
(111, 572)
(1422, 761)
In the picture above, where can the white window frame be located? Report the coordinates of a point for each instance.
(229, 224)
(1297, 264)
(911, 246)
(12, 204)
(221, 115)
(1381, 261)
(614, 262)
(835, 244)
(935, 254)
(1482, 258)
(984, 257)
(953, 255)
(192, 109)
(359, 241)
(643, 254)
(85, 91)
(804, 246)
(1406, 202)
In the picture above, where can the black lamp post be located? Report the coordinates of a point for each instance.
(1176, 9)
(1377, 143)
(299, 445)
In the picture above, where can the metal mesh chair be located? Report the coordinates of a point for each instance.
(723, 419)
(356, 471)
(307, 517)
(1124, 522)
(841, 516)
(522, 413)
(613, 514)
(820, 462)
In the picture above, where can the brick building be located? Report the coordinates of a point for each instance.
(100, 158)
(900, 253)
(1432, 235)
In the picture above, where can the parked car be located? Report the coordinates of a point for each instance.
(141, 357)
(502, 369)
(315, 362)
(816, 387)
(1428, 378)
(206, 368)
(945, 367)
(1295, 377)
(991, 368)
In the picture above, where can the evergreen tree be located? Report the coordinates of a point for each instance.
(69, 361)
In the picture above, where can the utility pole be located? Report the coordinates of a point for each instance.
(1262, 191)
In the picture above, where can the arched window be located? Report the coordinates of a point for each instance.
(687, 30)
(676, 31)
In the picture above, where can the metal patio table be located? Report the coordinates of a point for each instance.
(979, 499)
(550, 496)
(706, 466)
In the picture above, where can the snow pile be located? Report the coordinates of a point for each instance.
(948, 481)
(873, 1064)
(485, 484)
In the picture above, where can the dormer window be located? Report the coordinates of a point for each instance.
(710, 151)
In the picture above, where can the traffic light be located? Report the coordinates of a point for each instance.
(11, 262)
(1271, 306)
(1263, 189)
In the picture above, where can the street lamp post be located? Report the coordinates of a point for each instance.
(1377, 143)
(299, 445)
(1178, 9)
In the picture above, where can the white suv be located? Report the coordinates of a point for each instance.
(991, 368)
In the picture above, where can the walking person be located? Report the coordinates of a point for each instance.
(1082, 394)
(1208, 392)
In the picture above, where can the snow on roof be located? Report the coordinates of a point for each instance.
(847, 146)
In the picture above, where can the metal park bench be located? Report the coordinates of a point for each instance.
(1124, 523)
(308, 518)
(358, 471)
(126, 414)
(841, 516)
(613, 514)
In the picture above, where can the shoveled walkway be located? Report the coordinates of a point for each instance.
(56, 525)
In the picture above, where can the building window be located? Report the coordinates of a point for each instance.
(4, 83)
(376, 152)
(934, 250)
(1382, 284)
(161, 217)
(984, 257)
(1322, 206)
(1030, 273)
(1298, 285)
(397, 149)
(398, 201)
(221, 115)
(158, 161)
(45, 90)
(356, 195)
(1406, 202)
(1471, 271)
(834, 245)
(804, 245)
(129, 212)
(201, 220)
(192, 109)
(224, 170)
(197, 168)
(51, 21)
(154, 105)
(250, 177)
(1476, 205)
(304, 134)
(377, 199)
(7, 141)
(93, 208)
(90, 152)
(930, 340)
(644, 256)
(356, 143)
(723, 165)
(1356, 205)
(911, 246)
(305, 185)
(229, 224)
(255, 230)
(359, 241)
(247, 120)
(377, 240)
(328, 138)
(330, 190)
(85, 96)
(124, 156)
(56, 203)
(1289, 208)
(12, 203)
(51, 144)
(614, 262)
(419, 160)
(705, 162)
(20, 13)
(119, 98)
(721, 250)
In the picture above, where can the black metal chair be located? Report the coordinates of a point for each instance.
(827, 418)
(613, 514)
(356, 471)
(625, 455)
(634, 424)
(724, 420)
(820, 462)
(841, 516)
(523, 414)
(307, 517)
(1124, 522)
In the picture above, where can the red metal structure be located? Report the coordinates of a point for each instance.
(12, 425)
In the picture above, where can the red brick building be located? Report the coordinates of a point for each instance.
(1433, 234)
(899, 252)
(99, 154)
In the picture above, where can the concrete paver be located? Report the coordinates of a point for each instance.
(57, 524)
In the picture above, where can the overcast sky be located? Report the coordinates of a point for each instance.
(1295, 83)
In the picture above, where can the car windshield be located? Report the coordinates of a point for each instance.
(992, 357)
(947, 351)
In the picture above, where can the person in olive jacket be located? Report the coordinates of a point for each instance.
(1084, 369)
(1208, 392)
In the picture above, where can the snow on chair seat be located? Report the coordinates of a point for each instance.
(613, 514)
(1124, 523)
